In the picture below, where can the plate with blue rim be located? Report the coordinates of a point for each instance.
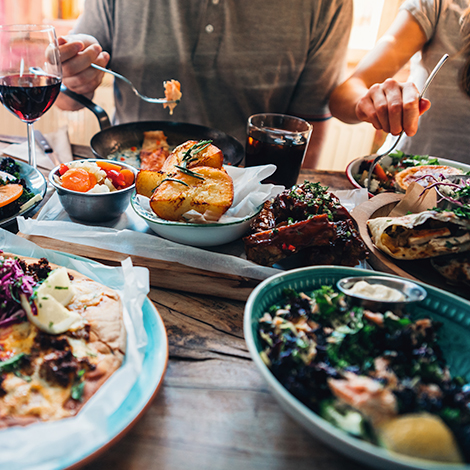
(452, 311)
(36, 183)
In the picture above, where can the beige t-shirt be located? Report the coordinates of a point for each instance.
(233, 58)
(443, 130)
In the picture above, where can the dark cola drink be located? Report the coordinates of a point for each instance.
(283, 149)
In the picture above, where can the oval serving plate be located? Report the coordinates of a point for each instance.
(36, 182)
(447, 308)
(353, 167)
(190, 233)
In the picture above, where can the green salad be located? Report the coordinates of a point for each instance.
(366, 372)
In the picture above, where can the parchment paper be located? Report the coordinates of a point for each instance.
(415, 200)
(130, 234)
(41, 446)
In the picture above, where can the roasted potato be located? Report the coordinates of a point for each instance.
(214, 193)
(209, 156)
(147, 181)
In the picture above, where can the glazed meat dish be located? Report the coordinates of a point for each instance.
(305, 219)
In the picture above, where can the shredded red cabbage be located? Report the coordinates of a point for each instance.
(13, 283)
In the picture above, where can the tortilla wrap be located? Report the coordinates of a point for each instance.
(423, 235)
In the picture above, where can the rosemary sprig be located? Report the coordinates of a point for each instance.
(189, 172)
(175, 180)
(189, 157)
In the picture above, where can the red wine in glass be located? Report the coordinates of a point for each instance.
(30, 73)
(29, 96)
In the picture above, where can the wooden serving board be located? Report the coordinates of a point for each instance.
(163, 274)
(416, 270)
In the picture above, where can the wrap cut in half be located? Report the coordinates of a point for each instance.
(423, 235)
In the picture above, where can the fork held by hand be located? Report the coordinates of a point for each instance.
(423, 91)
(134, 89)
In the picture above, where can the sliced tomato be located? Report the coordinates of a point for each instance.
(10, 193)
(380, 173)
(78, 179)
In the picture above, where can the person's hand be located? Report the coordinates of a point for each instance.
(77, 53)
(393, 107)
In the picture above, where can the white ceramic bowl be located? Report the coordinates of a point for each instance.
(353, 167)
(190, 233)
(450, 309)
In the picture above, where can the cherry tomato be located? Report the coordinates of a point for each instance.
(116, 178)
(63, 169)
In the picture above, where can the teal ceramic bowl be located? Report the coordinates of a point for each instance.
(452, 311)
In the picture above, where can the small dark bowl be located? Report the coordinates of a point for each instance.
(411, 291)
(94, 207)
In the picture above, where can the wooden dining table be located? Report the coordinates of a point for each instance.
(213, 410)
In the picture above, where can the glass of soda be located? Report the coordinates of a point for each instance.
(279, 139)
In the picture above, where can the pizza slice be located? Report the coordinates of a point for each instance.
(62, 336)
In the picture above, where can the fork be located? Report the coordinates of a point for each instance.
(134, 89)
(423, 91)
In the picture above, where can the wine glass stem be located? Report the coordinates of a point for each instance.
(31, 146)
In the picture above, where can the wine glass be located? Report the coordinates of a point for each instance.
(30, 73)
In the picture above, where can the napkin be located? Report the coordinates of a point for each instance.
(58, 140)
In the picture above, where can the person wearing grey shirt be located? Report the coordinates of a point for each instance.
(233, 58)
(424, 30)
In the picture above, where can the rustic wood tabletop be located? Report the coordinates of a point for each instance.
(214, 410)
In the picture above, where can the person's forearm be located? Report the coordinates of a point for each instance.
(66, 103)
(344, 99)
(317, 139)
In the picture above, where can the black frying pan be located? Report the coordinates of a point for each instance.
(123, 136)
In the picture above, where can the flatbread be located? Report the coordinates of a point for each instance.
(424, 175)
(50, 378)
(423, 235)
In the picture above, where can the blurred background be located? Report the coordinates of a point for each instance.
(343, 144)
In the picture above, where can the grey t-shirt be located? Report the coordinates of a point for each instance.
(444, 129)
(233, 58)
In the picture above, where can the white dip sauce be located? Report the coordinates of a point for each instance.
(376, 292)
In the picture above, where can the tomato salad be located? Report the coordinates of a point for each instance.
(383, 178)
(14, 191)
(94, 177)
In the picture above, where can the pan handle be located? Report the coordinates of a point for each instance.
(98, 111)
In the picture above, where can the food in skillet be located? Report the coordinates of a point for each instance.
(309, 220)
(94, 177)
(377, 376)
(385, 177)
(14, 192)
(155, 150)
(62, 336)
(192, 178)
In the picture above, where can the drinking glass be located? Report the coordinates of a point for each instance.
(278, 139)
(30, 73)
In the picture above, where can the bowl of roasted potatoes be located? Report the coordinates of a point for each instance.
(187, 200)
